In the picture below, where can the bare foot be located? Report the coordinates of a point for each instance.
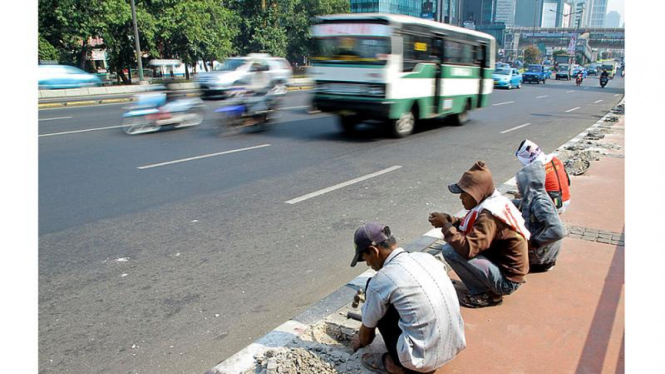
(391, 367)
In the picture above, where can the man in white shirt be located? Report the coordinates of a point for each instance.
(412, 302)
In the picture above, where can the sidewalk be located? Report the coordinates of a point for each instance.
(568, 320)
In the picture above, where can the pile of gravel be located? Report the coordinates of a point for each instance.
(324, 348)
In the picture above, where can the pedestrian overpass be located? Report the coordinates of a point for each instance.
(589, 38)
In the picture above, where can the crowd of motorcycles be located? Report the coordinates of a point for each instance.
(167, 108)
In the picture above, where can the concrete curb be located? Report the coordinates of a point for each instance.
(285, 333)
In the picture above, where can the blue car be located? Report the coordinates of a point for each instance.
(507, 78)
(63, 76)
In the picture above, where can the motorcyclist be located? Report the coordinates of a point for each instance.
(604, 74)
(580, 77)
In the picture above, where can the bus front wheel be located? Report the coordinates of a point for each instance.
(404, 125)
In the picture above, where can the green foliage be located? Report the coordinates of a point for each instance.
(531, 55)
(190, 30)
(46, 51)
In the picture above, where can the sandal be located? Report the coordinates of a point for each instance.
(480, 301)
(375, 362)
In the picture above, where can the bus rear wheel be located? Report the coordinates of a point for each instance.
(461, 118)
(404, 125)
(348, 123)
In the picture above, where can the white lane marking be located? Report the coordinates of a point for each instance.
(296, 107)
(79, 131)
(515, 128)
(570, 91)
(506, 102)
(616, 95)
(570, 110)
(341, 185)
(597, 101)
(200, 157)
(540, 97)
(53, 119)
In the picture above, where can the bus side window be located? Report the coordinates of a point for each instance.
(451, 52)
(417, 49)
(466, 56)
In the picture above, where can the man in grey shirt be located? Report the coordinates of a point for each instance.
(412, 302)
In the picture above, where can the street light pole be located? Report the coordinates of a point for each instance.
(136, 42)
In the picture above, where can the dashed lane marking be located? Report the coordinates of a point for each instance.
(80, 131)
(541, 96)
(341, 185)
(570, 110)
(597, 101)
(515, 128)
(53, 119)
(201, 157)
(505, 102)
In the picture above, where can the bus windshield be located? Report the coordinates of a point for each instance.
(607, 67)
(502, 71)
(343, 49)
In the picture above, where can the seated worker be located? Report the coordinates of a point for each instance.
(540, 217)
(557, 181)
(488, 247)
(411, 301)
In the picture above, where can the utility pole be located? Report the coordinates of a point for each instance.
(137, 43)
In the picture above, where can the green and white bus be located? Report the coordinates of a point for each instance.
(399, 69)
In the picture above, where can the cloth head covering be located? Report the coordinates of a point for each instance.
(477, 182)
(529, 152)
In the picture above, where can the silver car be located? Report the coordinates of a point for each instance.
(236, 70)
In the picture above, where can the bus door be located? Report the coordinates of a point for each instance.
(482, 61)
(438, 52)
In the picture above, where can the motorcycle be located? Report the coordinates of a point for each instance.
(152, 112)
(245, 109)
(603, 82)
(578, 80)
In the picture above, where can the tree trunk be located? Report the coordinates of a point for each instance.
(129, 73)
(82, 56)
(121, 75)
(186, 71)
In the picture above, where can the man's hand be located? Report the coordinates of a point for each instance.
(439, 219)
(363, 338)
(355, 343)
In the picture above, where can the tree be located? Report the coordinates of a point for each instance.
(193, 30)
(46, 51)
(531, 55)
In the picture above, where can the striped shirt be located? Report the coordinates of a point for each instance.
(419, 288)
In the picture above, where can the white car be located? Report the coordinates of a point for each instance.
(235, 70)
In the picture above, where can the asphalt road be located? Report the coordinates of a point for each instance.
(149, 267)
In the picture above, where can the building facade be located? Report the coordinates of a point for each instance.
(505, 12)
(428, 9)
(405, 7)
(596, 10)
(613, 19)
(528, 13)
(480, 12)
